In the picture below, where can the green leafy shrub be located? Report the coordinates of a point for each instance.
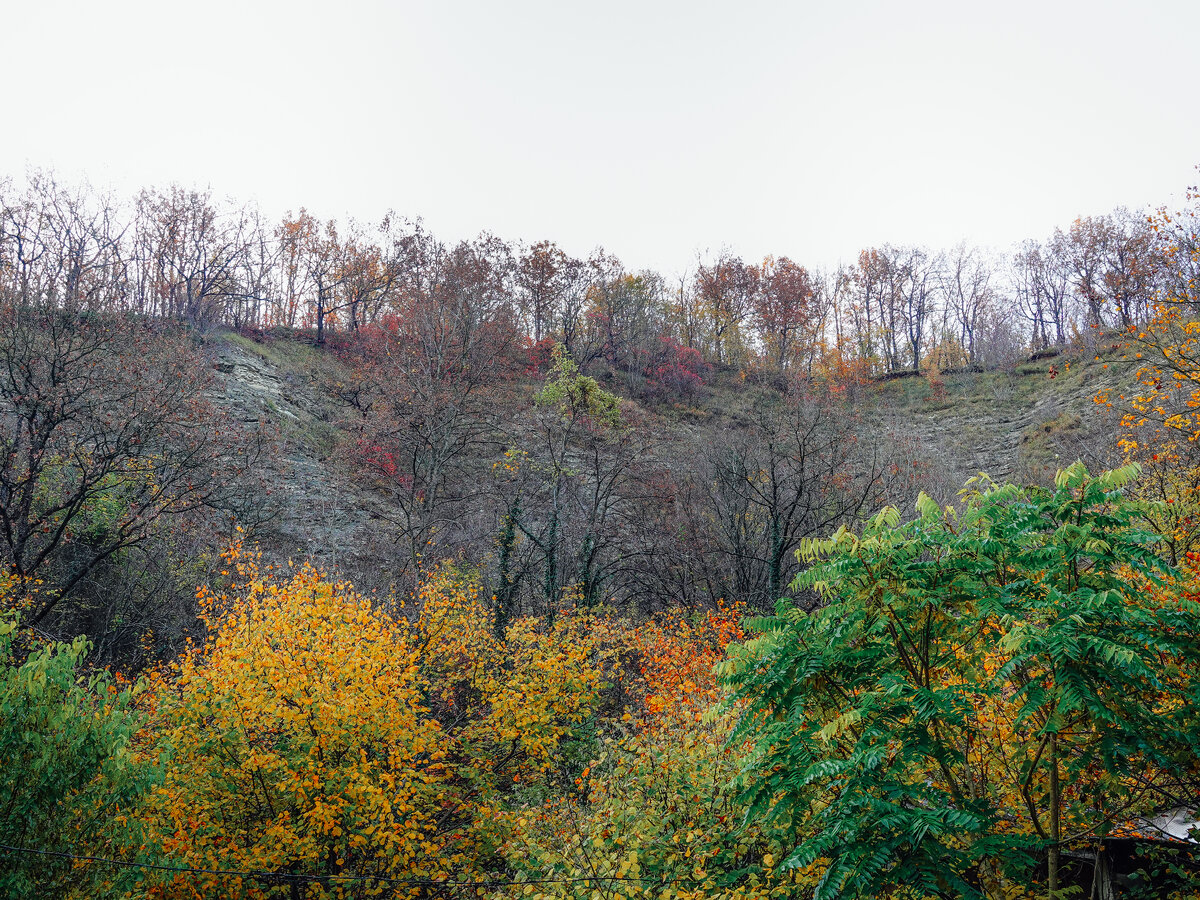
(68, 773)
(984, 689)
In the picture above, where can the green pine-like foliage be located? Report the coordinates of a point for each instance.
(985, 687)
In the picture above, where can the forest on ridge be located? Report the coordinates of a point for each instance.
(342, 561)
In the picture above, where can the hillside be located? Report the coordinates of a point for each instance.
(1022, 424)
(313, 511)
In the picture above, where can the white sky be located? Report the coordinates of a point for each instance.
(655, 129)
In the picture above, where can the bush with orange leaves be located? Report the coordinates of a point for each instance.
(297, 740)
(654, 815)
(1160, 408)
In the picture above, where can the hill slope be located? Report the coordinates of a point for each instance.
(1021, 424)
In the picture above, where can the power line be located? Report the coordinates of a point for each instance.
(300, 877)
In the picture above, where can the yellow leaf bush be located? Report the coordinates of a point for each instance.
(297, 740)
(512, 703)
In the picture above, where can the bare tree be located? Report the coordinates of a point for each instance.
(61, 245)
(105, 430)
(1081, 249)
(1041, 283)
(189, 255)
(967, 289)
(916, 281)
(801, 466)
(874, 316)
(544, 274)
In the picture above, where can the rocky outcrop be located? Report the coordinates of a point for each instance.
(310, 509)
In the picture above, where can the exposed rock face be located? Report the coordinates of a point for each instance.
(252, 386)
(312, 510)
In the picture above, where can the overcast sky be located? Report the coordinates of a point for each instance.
(655, 129)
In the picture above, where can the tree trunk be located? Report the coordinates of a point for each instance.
(320, 313)
(1052, 859)
(506, 593)
(775, 586)
(551, 583)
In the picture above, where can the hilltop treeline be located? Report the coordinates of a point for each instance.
(184, 255)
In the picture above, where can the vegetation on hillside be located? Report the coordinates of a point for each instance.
(647, 590)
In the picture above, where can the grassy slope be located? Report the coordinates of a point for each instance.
(1020, 425)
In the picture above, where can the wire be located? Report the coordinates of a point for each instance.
(296, 876)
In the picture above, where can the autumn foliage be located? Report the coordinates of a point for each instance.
(296, 739)
(654, 814)
(365, 748)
